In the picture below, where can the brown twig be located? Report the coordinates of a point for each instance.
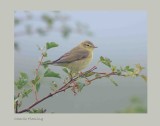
(35, 92)
(39, 65)
(74, 79)
(48, 96)
(33, 86)
(67, 86)
(104, 75)
(61, 89)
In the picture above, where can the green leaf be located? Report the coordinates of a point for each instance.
(46, 63)
(138, 66)
(144, 77)
(22, 81)
(54, 86)
(113, 68)
(127, 67)
(37, 87)
(135, 100)
(97, 75)
(119, 72)
(80, 86)
(88, 74)
(113, 81)
(50, 73)
(35, 81)
(44, 54)
(24, 75)
(131, 70)
(48, 19)
(25, 93)
(51, 45)
(105, 61)
(138, 69)
(66, 70)
(37, 110)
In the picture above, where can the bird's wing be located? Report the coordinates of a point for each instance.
(72, 56)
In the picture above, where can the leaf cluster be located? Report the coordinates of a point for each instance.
(126, 71)
(22, 81)
(136, 106)
(39, 110)
(26, 86)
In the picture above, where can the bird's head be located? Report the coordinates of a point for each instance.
(87, 45)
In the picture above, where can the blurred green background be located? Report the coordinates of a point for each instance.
(119, 35)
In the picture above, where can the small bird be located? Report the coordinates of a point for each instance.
(78, 58)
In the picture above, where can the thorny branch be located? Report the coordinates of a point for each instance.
(61, 89)
(104, 75)
(67, 86)
(33, 86)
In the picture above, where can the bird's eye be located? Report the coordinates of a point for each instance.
(87, 45)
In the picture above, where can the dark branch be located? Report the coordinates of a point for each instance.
(63, 88)
(68, 85)
(37, 102)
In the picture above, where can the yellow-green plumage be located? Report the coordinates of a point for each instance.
(78, 65)
(78, 58)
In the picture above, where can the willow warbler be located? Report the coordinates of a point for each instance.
(78, 58)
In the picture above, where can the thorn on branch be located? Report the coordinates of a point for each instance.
(68, 85)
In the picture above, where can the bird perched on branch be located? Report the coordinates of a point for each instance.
(76, 59)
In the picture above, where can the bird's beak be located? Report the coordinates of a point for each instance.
(95, 47)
